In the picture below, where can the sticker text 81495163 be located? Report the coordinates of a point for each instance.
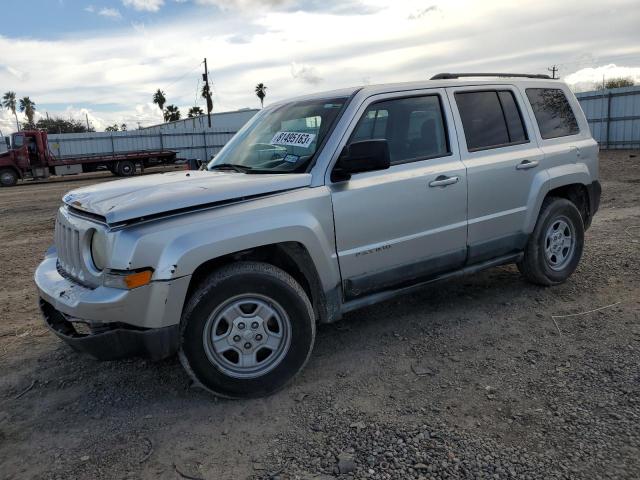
(293, 139)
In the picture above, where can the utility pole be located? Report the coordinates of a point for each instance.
(205, 79)
(86, 115)
(553, 70)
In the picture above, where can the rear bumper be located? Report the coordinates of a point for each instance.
(113, 341)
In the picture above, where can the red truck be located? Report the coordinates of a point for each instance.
(29, 156)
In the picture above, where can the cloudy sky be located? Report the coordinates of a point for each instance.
(106, 57)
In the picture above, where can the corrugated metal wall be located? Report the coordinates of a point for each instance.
(190, 138)
(614, 116)
(219, 121)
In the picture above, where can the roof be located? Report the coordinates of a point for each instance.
(368, 90)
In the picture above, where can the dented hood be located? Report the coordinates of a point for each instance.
(150, 195)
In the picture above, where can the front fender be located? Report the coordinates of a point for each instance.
(176, 246)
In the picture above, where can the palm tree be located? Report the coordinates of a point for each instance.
(261, 92)
(171, 113)
(28, 108)
(194, 112)
(160, 99)
(9, 102)
(206, 94)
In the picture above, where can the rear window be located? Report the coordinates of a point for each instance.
(553, 113)
(491, 119)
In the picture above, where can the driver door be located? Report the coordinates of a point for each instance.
(406, 224)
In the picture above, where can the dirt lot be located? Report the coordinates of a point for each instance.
(466, 379)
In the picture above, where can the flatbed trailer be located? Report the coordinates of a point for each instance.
(30, 156)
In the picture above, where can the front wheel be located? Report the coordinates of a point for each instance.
(555, 246)
(247, 330)
(8, 177)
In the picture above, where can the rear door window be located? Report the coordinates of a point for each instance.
(490, 119)
(513, 118)
(553, 113)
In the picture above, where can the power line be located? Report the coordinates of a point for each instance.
(183, 76)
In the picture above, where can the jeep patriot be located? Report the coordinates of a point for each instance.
(318, 206)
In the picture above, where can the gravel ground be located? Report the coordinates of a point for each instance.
(466, 379)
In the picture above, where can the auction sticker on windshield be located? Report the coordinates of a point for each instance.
(293, 139)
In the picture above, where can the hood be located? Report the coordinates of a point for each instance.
(150, 195)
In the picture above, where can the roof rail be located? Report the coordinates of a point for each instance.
(449, 76)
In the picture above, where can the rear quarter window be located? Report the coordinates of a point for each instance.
(553, 112)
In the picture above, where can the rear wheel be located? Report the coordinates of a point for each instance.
(8, 177)
(247, 330)
(125, 168)
(555, 246)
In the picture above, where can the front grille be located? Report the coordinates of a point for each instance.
(69, 253)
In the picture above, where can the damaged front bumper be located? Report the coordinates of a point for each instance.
(111, 341)
(109, 323)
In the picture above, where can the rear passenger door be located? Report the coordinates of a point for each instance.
(503, 159)
(560, 138)
(408, 223)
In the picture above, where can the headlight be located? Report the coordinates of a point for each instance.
(99, 250)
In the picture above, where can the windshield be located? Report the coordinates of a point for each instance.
(282, 139)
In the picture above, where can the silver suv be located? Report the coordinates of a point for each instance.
(318, 206)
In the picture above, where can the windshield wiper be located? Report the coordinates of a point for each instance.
(231, 166)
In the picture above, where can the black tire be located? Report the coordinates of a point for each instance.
(535, 266)
(126, 168)
(221, 287)
(8, 177)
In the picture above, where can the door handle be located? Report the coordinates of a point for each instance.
(527, 164)
(443, 181)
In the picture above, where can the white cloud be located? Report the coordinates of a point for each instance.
(247, 4)
(258, 7)
(589, 78)
(110, 12)
(89, 8)
(422, 12)
(294, 52)
(7, 122)
(306, 73)
(19, 75)
(144, 5)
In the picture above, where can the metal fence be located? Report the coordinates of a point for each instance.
(613, 116)
(191, 138)
(188, 144)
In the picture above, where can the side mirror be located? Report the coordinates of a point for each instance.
(363, 156)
